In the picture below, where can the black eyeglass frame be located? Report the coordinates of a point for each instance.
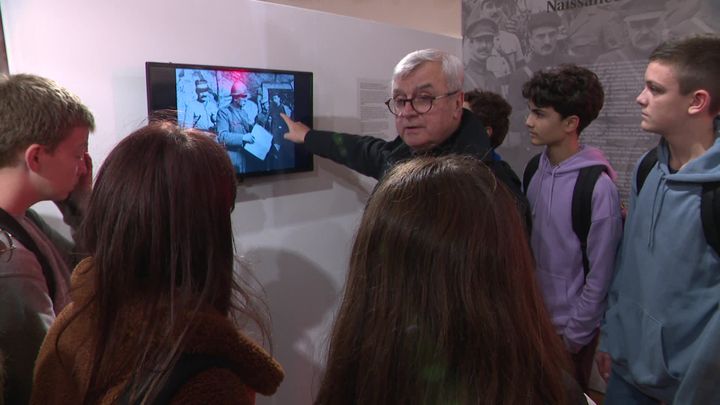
(411, 100)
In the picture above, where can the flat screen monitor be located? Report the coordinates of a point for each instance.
(238, 106)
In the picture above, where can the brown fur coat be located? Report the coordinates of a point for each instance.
(55, 383)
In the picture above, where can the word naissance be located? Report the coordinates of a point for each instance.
(570, 4)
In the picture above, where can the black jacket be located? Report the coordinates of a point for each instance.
(373, 156)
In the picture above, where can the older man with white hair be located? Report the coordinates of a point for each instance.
(427, 102)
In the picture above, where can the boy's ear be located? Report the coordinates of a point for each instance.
(33, 155)
(571, 123)
(700, 101)
(489, 131)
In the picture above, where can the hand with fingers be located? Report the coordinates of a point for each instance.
(604, 363)
(296, 130)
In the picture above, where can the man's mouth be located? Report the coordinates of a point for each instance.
(412, 128)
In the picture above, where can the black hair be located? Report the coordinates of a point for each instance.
(569, 90)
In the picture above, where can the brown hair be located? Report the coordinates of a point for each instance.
(440, 304)
(493, 110)
(696, 64)
(159, 230)
(36, 110)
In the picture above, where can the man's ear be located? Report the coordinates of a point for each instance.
(33, 155)
(459, 104)
(700, 102)
(489, 131)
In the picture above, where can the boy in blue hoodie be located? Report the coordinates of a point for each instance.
(562, 102)
(662, 327)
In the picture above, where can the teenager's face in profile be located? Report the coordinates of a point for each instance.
(62, 167)
(545, 125)
(663, 108)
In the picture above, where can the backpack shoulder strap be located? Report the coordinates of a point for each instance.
(582, 207)
(710, 214)
(646, 164)
(529, 172)
(11, 225)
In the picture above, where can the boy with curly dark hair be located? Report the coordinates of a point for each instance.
(574, 275)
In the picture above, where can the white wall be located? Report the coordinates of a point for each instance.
(438, 16)
(295, 229)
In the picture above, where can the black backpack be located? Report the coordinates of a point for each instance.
(709, 202)
(581, 201)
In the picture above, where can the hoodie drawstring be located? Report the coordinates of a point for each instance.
(660, 192)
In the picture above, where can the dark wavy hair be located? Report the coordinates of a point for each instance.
(569, 90)
(159, 231)
(440, 304)
(493, 110)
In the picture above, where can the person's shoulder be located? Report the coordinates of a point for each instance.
(605, 198)
(19, 262)
(605, 188)
(215, 386)
(224, 110)
(216, 338)
(505, 171)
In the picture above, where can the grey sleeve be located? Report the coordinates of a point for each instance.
(26, 313)
(66, 247)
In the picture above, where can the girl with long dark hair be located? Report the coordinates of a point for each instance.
(440, 304)
(160, 291)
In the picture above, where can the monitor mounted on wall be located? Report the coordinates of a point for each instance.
(238, 106)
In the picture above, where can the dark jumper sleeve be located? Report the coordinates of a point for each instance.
(365, 154)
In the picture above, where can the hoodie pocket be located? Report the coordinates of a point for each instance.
(635, 340)
(554, 290)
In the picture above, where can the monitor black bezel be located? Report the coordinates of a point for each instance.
(157, 104)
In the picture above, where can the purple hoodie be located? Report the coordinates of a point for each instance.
(576, 304)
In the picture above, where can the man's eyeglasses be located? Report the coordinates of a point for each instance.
(6, 245)
(421, 104)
